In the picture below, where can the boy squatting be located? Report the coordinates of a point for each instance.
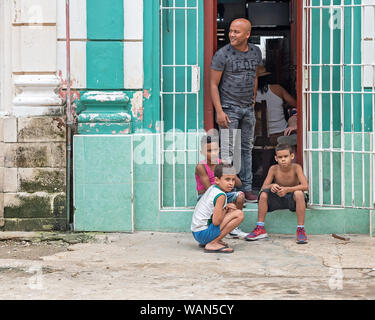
(213, 217)
(204, 176)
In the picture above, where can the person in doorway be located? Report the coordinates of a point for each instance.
(233, 89)
(283, 189)
(276, 96)
(290, 133)
(204, 176)
(279, 129)
(213, 217)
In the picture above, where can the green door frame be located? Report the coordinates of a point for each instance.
(151, 65)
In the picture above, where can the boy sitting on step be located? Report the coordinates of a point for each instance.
(283, 188)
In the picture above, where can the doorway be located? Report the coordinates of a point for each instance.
(274, 32)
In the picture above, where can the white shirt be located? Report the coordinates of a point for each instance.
(204, 209)
(275, 112)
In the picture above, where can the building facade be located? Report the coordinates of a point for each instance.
(140, 97)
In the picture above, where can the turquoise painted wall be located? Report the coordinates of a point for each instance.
(105, 67)
(105, 19)
(103, 203)
(102, 183)
(151, 66)
(105, 59)
(105, 49)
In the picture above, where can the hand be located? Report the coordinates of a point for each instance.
(289, 130)
(282, 192)
(231, 206)
(275, 188)
(222, 119)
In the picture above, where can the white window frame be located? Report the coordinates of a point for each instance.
(368, 43)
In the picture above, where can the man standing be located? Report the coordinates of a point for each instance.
(233, 91)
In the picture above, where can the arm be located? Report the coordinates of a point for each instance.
(222, 118)
(200, 171)
(256, 86)
(238, 182)
(292, 125)
(267, 184)
(259, 63)
(219, 211)
(292, 122)
(288, 98)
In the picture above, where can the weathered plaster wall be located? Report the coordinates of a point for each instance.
(106, 52)
(33, 82)
(32, 129)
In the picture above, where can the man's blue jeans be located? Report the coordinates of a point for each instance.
(236, 142)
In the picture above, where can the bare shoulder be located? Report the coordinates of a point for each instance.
(273, 169)
(296, 167)
(276, 89)
(200, 169)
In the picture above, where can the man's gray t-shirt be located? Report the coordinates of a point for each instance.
(239, 70)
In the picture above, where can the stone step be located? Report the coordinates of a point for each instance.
(317, 221)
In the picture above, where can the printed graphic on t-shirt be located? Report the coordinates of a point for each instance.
(241, 65)
(239, 71)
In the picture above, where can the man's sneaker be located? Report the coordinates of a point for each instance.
(301, 236)
(250, 196)
(258, 233)
(237, 234)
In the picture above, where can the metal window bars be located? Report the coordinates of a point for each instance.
(339, 102)
(179, 30)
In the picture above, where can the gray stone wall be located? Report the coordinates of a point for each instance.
(32, 173)
(32, 134)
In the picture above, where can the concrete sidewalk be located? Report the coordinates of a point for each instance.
(151, 265)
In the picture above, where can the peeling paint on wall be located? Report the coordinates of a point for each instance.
(74, 94)
(146, 94)
(106, 96)
(137, 105)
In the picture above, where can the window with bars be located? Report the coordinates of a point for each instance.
(338, 111)
(181, 100)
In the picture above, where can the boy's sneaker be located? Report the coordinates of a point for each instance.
(237, 233)
(258, 233)
(301, 236)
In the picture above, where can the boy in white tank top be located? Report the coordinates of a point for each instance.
(213, 218)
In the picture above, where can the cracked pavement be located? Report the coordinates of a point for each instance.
(153, 265)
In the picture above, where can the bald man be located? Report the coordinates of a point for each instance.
(233, 92)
